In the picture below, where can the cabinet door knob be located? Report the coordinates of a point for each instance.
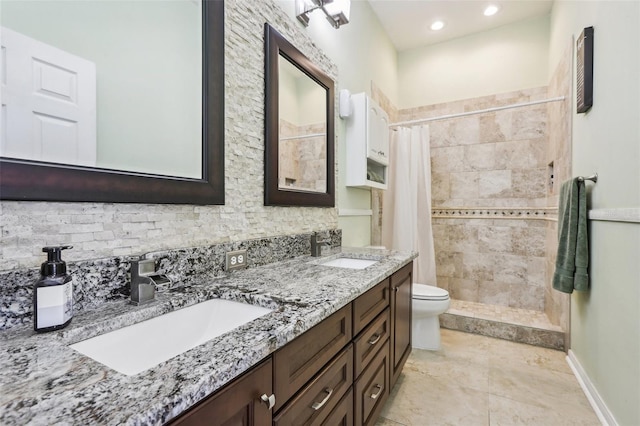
(396, 289)
(318, 405)
(376, 395)
(269, 401)
(374, 339)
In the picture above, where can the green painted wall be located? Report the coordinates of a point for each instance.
(508, 58)
(605, 322)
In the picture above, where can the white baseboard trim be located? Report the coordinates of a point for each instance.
(602, 411)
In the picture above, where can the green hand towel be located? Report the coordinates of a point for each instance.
(573, 241)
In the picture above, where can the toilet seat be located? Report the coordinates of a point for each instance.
(429, 292)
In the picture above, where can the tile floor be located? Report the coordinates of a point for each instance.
(477, 380)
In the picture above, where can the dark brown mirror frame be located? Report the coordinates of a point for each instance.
(276, 45)
(31, 180)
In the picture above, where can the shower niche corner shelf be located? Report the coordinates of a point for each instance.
(367, 144)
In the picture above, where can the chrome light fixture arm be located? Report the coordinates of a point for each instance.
(336, 11)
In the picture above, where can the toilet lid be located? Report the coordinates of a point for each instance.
(429, 292)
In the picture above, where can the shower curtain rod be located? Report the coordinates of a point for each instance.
(480, 111)
(312, 135)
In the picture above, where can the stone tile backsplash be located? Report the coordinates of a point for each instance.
(96, 282)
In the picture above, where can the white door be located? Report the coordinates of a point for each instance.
(48, 102)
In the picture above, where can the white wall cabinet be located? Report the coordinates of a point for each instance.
(367, 141)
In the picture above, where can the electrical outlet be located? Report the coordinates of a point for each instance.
(236, 260)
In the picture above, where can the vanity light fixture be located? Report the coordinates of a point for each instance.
(437, 25)
(337, 11)
(491, 10)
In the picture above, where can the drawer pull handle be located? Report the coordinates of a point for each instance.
(318, 405)
(376, 395)
(375, 338)
(269, 401)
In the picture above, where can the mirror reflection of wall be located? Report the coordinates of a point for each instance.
(303, 141)
(148, 73)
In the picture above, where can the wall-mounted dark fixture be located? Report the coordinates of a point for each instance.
(584, 70)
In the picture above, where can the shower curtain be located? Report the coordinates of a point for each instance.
(406, 205)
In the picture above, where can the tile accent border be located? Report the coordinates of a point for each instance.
(616, 215)
(597, 403)
(496, 213)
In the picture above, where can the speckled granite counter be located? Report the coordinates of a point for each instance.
(43, 382)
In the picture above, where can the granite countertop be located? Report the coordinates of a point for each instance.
(44, 382)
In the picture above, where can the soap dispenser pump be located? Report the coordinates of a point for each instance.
(53, 293)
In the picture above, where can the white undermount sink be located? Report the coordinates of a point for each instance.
(138, 347)
(350, 263)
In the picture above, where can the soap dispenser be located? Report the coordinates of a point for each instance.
(53, 293)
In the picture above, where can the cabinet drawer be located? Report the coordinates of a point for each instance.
(300, 360)
(369, 305)
(372, 389)
(316, 401)
(342, 415)
(370, 341)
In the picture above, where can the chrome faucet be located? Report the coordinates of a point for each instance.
(143, 288)
(316, 245)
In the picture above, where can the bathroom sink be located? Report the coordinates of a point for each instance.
(140, 346)
(350, 263)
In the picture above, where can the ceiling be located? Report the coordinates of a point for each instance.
(407, 22)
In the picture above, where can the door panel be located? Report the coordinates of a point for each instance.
(400, 319)
(48, 103)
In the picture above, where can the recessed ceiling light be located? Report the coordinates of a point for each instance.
(491, 10)
(437, 25)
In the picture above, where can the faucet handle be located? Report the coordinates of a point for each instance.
(141, 266)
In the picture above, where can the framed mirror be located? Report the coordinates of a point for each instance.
(299, 127)
(156, 122)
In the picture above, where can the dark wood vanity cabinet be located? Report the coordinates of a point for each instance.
(371, 390)
(400, 320)
(301, 359)
(340, 372)
(238, 403)
(317, 400)
(367, 306)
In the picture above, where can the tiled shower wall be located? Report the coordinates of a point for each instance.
(489, 196)
(498, 161)
(557, 304)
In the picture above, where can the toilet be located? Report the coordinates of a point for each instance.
(428, 303)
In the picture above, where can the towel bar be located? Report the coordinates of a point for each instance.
(593, 178)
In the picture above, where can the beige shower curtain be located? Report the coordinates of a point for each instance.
(406, 206)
